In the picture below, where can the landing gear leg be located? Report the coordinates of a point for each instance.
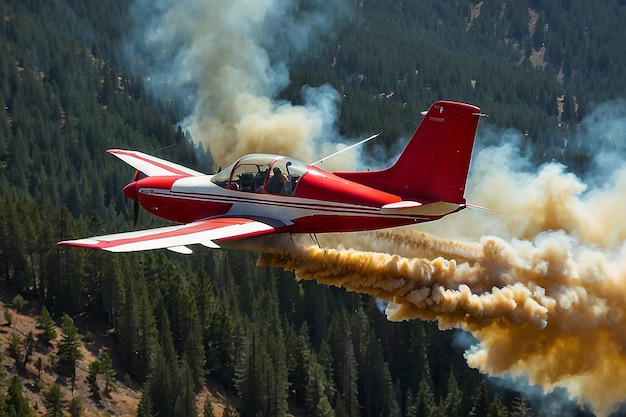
(315, 240)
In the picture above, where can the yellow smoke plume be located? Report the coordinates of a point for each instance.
(550, 311)
(546, 298)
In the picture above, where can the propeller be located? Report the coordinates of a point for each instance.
(131, 192)
(136, 202)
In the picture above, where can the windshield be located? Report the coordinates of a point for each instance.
(262, 173)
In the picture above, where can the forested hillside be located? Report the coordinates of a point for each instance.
(275, 344)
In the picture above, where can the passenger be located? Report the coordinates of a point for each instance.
(276, 181)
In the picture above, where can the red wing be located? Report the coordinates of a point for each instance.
(176, 237)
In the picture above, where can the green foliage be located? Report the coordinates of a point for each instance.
(207, 409)
(230, 411)
(219, 336)
(317, 390)
(108, 372)
(520, 408)
(144, 409)
(451, 403)
(425, 405)
(16, 348)
(15, 404)
(481, 401)
(186, 398)
(19, 302)
(76, 407)
(8, 317)
(55, 402)
(29, 344)
(45, 321)
(95, 368)
(497, 409)
(39, 367)
(69, 348)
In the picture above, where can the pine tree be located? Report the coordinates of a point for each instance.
(55, 402)
(8, 317)
(69, 353)
(15, 403)
(299, 364)
(317, 403)
(108, 372)
(137, 328)
(39, 367)
(46, 322)
(164, 376)
(520, 408)
(76, 407)
(95, 368)
(390, 405)
(497, 409)
(480, 405)
(342, 349)
(29, 344)
(219, 339)
(144, 409)
(191, 335)
(186, 398)
(16, 348)
(425, 405)
(249, 380)
(451, 404)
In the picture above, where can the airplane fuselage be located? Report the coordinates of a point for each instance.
(321, 202)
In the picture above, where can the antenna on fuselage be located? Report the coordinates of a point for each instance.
(345, 149)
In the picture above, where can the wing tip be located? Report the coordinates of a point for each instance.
(81, 243)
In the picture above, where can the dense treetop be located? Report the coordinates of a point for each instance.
(268, 339)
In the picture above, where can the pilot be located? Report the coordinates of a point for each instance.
(276, 181)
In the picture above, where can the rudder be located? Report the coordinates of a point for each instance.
(434, 164)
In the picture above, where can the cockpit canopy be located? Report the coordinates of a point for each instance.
(262, 173)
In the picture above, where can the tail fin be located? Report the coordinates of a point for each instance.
(435, 162)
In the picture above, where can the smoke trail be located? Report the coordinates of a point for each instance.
(541, 283)
(229, 60)
(549, 309)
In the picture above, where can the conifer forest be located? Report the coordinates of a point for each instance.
(79, 77)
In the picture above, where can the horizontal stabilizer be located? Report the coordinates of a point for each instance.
(440, 208)
(401, 205)
(474, 206)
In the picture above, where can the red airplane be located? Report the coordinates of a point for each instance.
(263, 194)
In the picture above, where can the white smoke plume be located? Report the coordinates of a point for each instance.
(540, 283)
(229, 60)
